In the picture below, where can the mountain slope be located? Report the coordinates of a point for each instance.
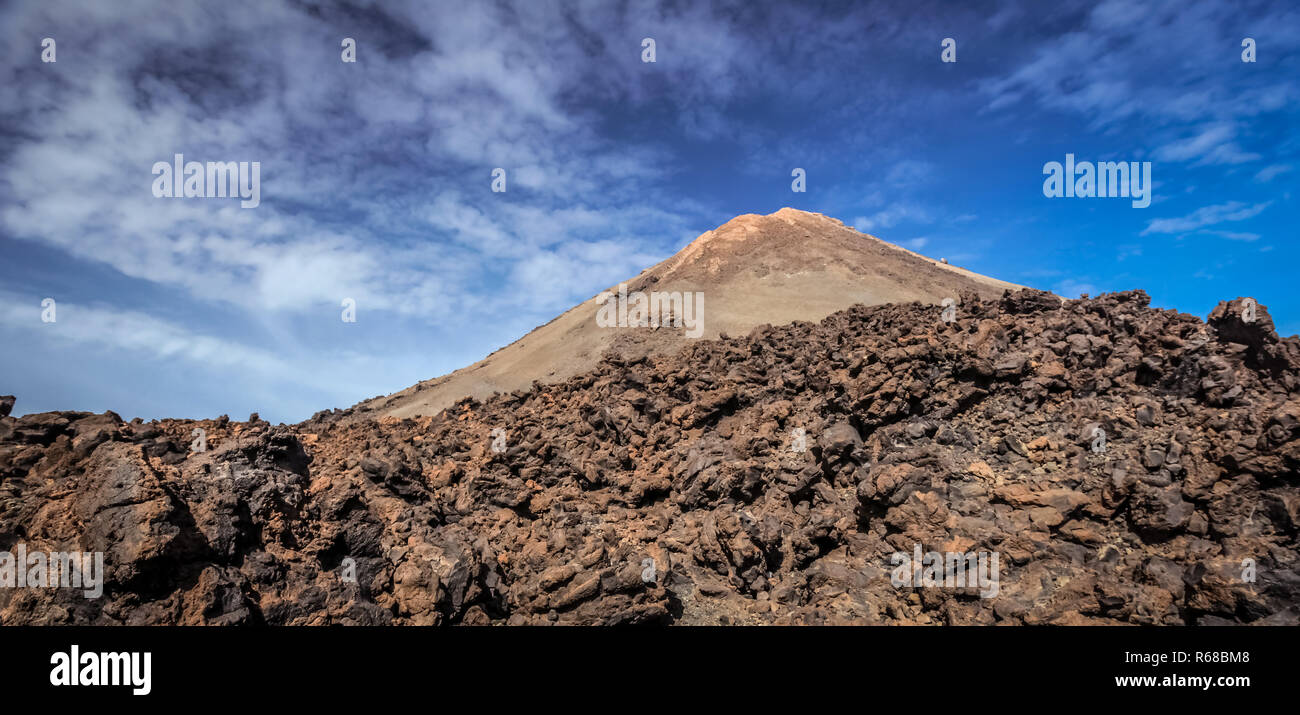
(776, 269)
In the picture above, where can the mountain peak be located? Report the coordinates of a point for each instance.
(789, 265)
(751, 223)
(789, 213)
(787, 240)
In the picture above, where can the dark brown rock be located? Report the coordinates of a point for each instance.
(672, 489)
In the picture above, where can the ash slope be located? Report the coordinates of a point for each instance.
(753, 270)
(974, 436)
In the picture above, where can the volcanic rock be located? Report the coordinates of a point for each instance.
(673, 488)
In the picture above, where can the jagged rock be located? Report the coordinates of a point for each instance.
(673, 488)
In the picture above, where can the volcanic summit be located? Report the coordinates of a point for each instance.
(787, 266)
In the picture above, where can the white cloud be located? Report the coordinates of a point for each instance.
(890, 217)
(100, 329)
(1089, 71)
(1213, 144)
(493, 94)
(1206, 216)
(1268, 173)
(906, 174)
(1234, 235)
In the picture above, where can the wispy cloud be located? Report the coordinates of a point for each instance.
(206, 357)
(1088, 71)
(1212, 144)
(1233, 235)
(890, 217)
(1206, 216)
(1268, 173)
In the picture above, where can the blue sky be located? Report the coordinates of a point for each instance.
(376, 175)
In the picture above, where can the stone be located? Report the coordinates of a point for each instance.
(965, 437)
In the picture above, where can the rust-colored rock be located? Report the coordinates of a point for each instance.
(1129, 465)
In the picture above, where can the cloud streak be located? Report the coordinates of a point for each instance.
(1206, 216)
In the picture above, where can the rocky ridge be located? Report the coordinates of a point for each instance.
(670, 489)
